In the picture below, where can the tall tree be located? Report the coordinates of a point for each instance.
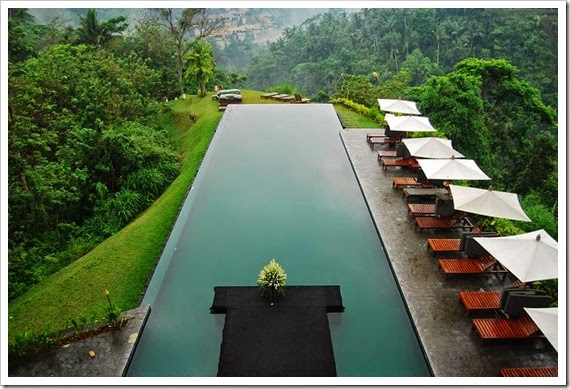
(92, 32)
(185, 27)
(200, 64)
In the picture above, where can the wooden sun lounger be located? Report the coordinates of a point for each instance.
(269, 95)
(387, 153)
(403, 182)
(421, 209)
(279, 96)
(480, 301)
(443, 245)
(371, 135)
(383, 140)
(458, 220)
(300, 100)
(427, 191)
(506, 329)
(403, 162)
(471, 266)
(542, 371)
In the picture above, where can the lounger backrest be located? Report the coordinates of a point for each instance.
(402, 150)
(468, 235)
(443, 206)
(516, 302)
(471, 247)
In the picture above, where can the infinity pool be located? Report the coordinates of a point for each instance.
(276, 182)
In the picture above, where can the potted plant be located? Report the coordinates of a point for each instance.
(272, 280)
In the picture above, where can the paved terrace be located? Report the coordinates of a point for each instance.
(451, 345)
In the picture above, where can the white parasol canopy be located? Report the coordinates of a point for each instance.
(530, 257)
(452, 169)
(431, 147)
(409, 123)
(398, 106)
(487, 202)
(547, 321)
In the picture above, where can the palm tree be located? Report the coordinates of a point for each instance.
(94, 33)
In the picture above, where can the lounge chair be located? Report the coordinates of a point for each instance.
(471, 266)
(506, 329)
(279, 96)
(268, 95)
(480, 301)
(286, 98)
(456, 245)
(300, 100)
(403, 162)
(457, 220)
(426, 191)
(421, 209)
(387, 153)
(511, 300)
(542, 371)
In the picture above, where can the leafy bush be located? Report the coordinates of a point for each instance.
(272, 279)
(372, 113)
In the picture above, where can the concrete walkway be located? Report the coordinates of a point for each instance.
(451, 345)
(113, 351)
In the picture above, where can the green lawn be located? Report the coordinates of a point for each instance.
(123, 263)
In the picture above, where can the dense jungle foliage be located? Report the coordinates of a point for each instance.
(87, 153)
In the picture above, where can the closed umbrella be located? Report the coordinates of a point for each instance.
(452, 169)
(409, 123)
(530, 257)
(547, 321)
(431, 147)
(487, 202)
(398, 106)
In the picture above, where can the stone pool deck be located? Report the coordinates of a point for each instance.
(452, 347)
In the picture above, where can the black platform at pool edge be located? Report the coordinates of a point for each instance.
(290, 338)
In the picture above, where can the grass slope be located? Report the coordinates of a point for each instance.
(123, 263)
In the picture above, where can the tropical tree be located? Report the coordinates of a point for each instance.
(92, 32)
(200, 64)
(185, 27)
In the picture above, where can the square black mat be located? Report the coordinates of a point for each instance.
(289, 338)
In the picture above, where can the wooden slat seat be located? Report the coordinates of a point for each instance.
(387, 153)
(421, 209)
(443, 245)
(401, 182)
(457, 220)
(542, 371)
(471, 266)
(506, 329)
(371, 135)
(268, 95)
(480, 300)
(402, 162)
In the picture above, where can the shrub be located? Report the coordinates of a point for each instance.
(272, 280)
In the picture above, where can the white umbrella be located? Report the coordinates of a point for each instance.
(547, 320)
(487, 202)
(430, 147)
(452, 169)
(398, 106)
(409, 123)
(530, 257)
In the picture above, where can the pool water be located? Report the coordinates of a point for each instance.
(276, 182)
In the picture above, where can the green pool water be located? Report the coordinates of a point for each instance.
(276, 182)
